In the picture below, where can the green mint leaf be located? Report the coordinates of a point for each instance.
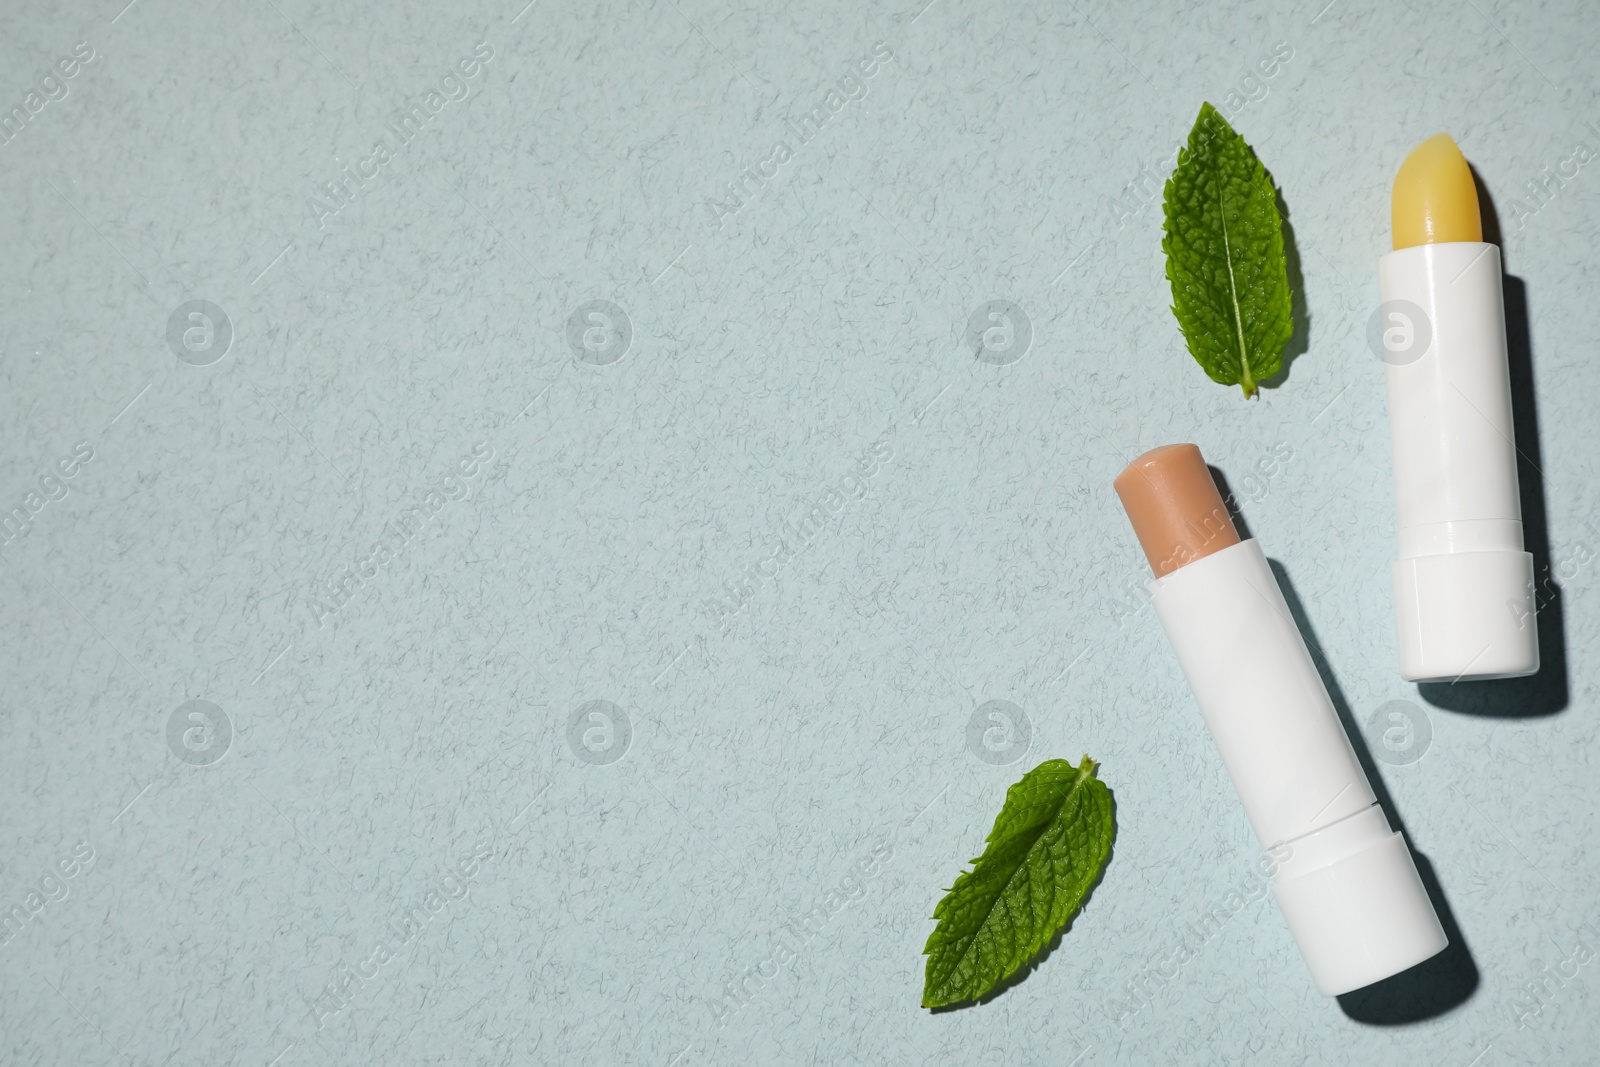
(1048, 844)
(1224, 245)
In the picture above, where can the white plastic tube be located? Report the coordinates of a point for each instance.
(1463, 586)
(1348, 886)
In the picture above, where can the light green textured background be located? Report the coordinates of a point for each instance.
(629, 888)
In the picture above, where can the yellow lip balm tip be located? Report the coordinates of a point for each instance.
(1435, 199)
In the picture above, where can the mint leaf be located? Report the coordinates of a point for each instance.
(1048, 843)
(1224, 245)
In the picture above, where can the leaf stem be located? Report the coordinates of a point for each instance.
(1245, 380)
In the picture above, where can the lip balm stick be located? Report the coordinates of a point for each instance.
(1463, 586)
(1347, 885)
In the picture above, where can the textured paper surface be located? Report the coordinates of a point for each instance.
(643, 555)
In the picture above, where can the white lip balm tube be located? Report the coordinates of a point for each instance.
(1463, 585)
(1346, 882)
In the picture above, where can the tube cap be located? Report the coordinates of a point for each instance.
(1362, 918)
(1465, 615)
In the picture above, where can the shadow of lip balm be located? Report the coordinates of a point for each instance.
(1346, 884)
